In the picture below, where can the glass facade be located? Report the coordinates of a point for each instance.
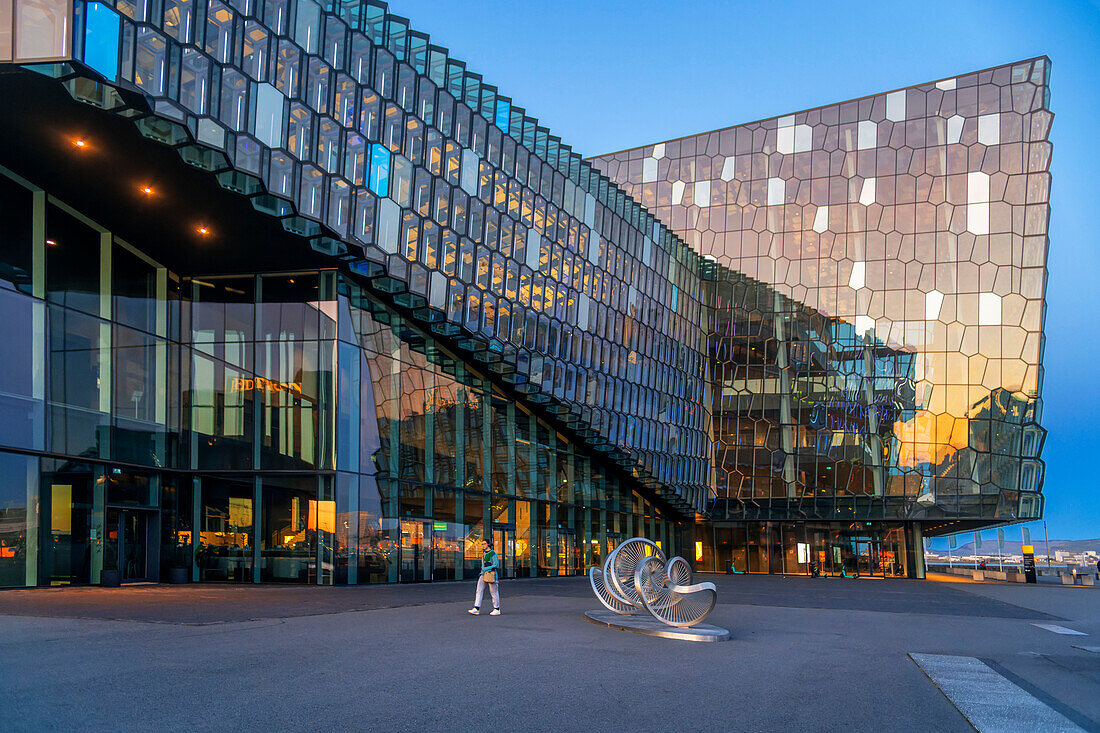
(875, 277)
(877, 549)
(380, 148)
(474, 332)
(276, 427)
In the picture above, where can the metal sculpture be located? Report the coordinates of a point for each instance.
(636, 577)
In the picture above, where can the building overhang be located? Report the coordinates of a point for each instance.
(112, 166)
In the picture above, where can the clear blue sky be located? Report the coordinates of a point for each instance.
(608, 75)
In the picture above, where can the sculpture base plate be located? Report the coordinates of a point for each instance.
(643, 623)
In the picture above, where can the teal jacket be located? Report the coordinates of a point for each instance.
(490, 562)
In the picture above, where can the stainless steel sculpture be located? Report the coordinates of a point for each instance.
(636, 577)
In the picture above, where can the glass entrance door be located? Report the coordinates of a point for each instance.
(874, 557)
(864, 560)
(415, 551)
(127, 545)
(567, 552)
(134, 546)
(504, 542)
(67, 504)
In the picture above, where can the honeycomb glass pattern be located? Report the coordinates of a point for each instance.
(875, 275)
(443, 195)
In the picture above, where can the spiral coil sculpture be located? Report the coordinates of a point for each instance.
(635, 577)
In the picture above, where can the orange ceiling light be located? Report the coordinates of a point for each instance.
(80, 143)
(203, 230)
(147, 190)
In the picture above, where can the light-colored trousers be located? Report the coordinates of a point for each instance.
(481, 592)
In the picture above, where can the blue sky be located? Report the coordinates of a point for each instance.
(609, 75)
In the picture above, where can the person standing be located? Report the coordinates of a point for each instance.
(490, 564)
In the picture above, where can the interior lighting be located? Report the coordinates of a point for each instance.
(147, 190)
(80, 143)
(203, 230)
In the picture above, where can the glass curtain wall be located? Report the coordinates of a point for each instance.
(880, 549)
(444, 460)
(876, 275)
(90, 379)
(277, 427)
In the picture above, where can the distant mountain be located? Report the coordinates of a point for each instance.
(989, 546)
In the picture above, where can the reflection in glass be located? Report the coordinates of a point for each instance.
(77, 394)
(73, 269)
(176, 551)
(290, 521)
(224, 548)
(15, 246)
(18, 529)
(22, 412)
(376, 549)
(66, 502)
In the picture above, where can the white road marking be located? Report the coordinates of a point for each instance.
(986, 699)
(1060, 629)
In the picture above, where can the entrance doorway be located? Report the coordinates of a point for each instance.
(865, 557)
(567, 552)
(415, 551)
(504, 542)
(128, 544)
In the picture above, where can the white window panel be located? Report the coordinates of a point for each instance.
(895, 106)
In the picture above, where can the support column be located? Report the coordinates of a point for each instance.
(918, 551)
(257, 528)
(196, 519)
(160, 407)
(786, 427)
(353, 527)
(510, 445)
(873, 446)
(106, 381)
(428, 408)
(99, 524)
(460, 520)
(34, 521)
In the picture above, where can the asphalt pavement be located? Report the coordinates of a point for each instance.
(805, 654)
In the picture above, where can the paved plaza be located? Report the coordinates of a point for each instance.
(805, 654)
